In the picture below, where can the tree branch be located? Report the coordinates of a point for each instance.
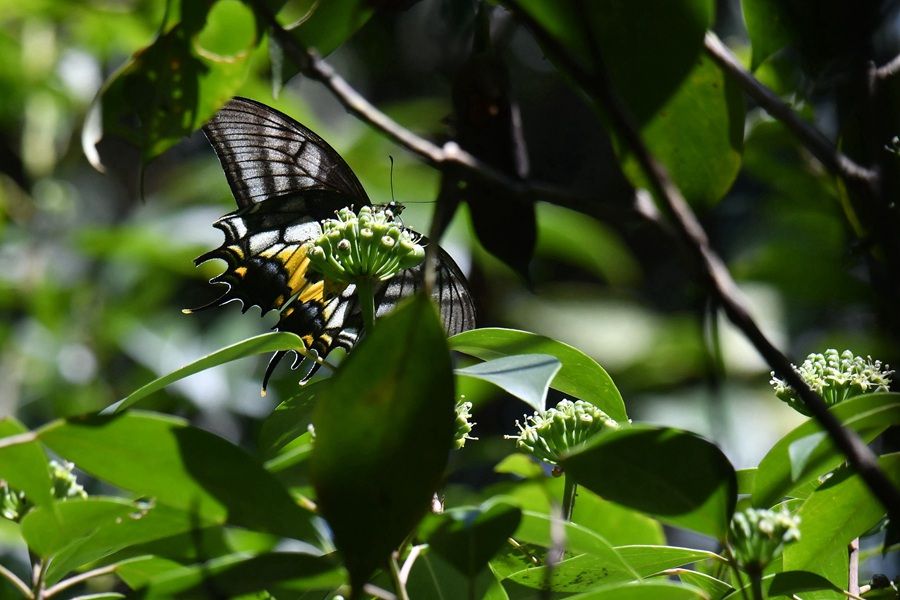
(67, 583)
(833, 160)
(713, 269)
(16, 582)
(448, 157)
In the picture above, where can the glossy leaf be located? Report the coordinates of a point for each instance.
(434, 577)
(840, 510)
(384, 428)
(182, 467)
(173, 86)
(537, 528)
(23, 463)
(229, 576)
(868, 415)
(467, 538)
(580, 376)
(525, 376)
(260, 344)
(786, 584)
(644, 590)
(324, 26)
(690, 115)
(746, 478)
(649, 560)
(674, 475)
(714, 588)
(572, 575)
(766, 27)
(79, 531)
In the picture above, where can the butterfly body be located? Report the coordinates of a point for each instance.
(286, 181)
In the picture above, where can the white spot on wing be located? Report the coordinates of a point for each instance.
(302, 232)
(261, 241)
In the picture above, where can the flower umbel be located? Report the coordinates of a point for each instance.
(14, 504)
(550, 434)
(835, 377)
(756, 536)
(364, 245)
(463, 425)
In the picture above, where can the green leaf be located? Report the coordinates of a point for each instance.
(384, 428)
(689, 114)
(714, 588)
(580, 376)
(182, 467)
(138, 572)
(538, 529)
(698, 136)
(673, 475)
(228, 576)
(260, 344)
(868, 415)
(79, 531)
(434, 577)
(290, 419)
(467, 538)
(649, 560)
(786, 584)
(23, 463)
(766, 27)
(324, 26)
(745, 480)
(643, 590)
(525, 376)
(173, 86)
(572, 575)
(789, 583)
(840, 510)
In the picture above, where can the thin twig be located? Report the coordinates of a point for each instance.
(399, 584)
(448, 157)
(414, 553)
(831, 158)
(713, 269)
(16, 582)
(853, 572)
(67, 583)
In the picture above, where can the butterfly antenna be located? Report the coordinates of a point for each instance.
(393, 200)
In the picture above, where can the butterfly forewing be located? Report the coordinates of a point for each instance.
(286, 181)
(266, 154)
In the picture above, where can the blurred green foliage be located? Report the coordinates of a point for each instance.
(95, 267)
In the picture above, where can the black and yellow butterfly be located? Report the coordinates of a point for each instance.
(287, 180)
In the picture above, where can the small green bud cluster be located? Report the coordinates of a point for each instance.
(756, 536)
(550, 434)
(363, 245)
(14, 504)
(463, 426)
(835, 377)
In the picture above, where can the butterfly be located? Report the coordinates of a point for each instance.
(286, 181)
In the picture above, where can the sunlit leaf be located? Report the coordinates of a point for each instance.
(580, 376)
(183, 467)
(868, 415)
(261, 344)
(648, 560)
(525, 376)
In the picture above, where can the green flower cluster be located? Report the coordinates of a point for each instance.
(836, 377)
(364, 245)
(550, 434)
(14, 504)
(463, 426)
(756, 536)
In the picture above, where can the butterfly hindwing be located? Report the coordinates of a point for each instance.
(286, 181)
